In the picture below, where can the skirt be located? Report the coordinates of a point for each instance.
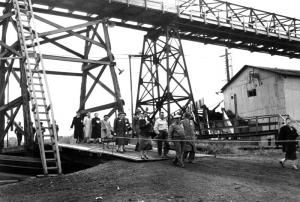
(145, 143)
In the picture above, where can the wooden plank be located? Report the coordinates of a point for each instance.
(70, 59)
(94, 84)
(66, 29)
(9, 48)
(16, 102)
(130, 154)
(102, 85)
(60, 73)
(72, 32)
(99, 108)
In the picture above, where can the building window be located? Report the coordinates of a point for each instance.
(251, 93)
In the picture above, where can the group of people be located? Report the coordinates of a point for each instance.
(181, 133)
(87, 129)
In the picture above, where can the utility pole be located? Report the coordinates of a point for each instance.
(131, 90)
(227, 64)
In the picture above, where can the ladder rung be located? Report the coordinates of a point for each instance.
(39, 98)
(44, 119)
(42, 105)
(49, 151)
(52, 168)
(43, 113)
(37, 84)
(48, 135)
(50, 160)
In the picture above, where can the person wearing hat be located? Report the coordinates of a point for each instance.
(189, 131)
(77, 123)
(121, 124)
(177, 136)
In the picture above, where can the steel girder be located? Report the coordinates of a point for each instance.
(164, 83)
(94, 34)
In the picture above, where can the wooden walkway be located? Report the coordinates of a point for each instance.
(129, 155)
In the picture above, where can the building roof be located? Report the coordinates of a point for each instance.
(283, 72)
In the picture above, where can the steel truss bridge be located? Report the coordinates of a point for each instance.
(206, 21)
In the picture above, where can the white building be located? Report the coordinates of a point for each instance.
(257, 91)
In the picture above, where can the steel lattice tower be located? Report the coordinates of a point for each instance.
(164, 83)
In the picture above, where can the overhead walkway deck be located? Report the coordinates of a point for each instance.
(207, 21)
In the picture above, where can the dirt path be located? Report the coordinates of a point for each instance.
(209, 179)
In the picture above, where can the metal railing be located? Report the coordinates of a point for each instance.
(226, 14)
(248, 126)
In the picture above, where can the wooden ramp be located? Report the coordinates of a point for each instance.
(129, 155)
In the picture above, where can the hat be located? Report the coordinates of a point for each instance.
(176, 116)
(120, 113)
(187, 114)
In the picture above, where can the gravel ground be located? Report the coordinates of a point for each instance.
(225, 178)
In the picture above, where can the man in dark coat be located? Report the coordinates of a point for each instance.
(288, 134)
(78, 127)
(121, 125)
(96, 128)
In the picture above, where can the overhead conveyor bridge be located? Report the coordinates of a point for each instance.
(207, 21)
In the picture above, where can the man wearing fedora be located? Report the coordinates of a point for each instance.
(121, 124)
(177, 136)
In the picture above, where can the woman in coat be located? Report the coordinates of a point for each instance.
(121, 125)
(96, 128)
(106, 130)
(87, 123)
(145, 135)
(77, 123)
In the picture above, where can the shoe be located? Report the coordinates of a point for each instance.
(281, 163)
(294, 167)
(146, 157)
(181, 164)
(142, 157)
(191, 162)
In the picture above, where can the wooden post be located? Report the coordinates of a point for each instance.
(84, 73)
(2, 82)
(112, 68)
(28, 136)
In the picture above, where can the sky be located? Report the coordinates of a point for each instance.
(206, 67)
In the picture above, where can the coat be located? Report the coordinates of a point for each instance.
(289, 134)
(77, 123)
(87, 123)
(145, 135)
(106, 130)
(121, 130)
(189, 131)
(96, 127)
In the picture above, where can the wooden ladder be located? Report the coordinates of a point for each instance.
(42, 109)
